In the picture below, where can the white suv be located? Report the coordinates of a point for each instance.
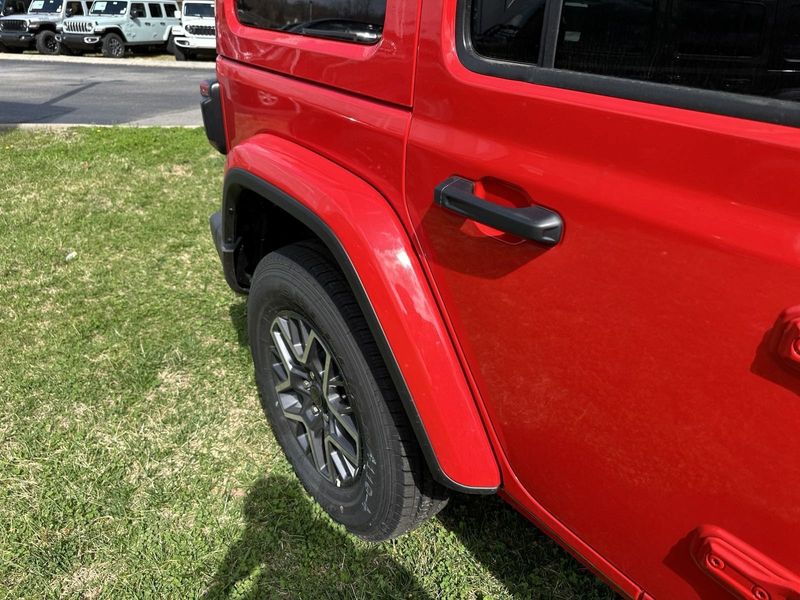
(197, 33)
(115, 25)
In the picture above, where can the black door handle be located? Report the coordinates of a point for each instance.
(534, 223)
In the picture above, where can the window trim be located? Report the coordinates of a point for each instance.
(239, 12)
(756, 108)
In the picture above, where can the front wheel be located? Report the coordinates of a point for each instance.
(47, 44)
(180, 54)
(329, 399)
(113, 46)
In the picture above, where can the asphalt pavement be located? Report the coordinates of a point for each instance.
(100, 92)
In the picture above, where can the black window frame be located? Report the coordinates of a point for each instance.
(243, 20)
(754, 108)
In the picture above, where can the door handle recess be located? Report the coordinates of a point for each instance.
(534, 223)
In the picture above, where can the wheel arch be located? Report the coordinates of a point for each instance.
(116, 30)
(302, 194)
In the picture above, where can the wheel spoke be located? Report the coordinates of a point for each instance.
(316, 440)
(313, 396)
(292, 407)
(283, 346)
(348, 446)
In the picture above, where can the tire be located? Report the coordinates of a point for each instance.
(113, 46)
(180, 55)
(381, 488)
(46, 43)
(171, 45)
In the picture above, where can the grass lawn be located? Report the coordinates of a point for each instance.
(135, 461)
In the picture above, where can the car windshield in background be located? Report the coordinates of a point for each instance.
(45, 6)
(198, 10)
(108, 8)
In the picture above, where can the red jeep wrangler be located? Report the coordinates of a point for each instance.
(542, 248)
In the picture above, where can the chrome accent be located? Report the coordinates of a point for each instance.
(78, 27)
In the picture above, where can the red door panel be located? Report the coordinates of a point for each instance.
(628, 371)
(383, 71)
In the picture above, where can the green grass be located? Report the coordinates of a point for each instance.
(135, 461)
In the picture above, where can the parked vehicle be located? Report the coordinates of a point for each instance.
(114, 26)
(541, 248)
(38, 27)
(197, 33)
(12, 7)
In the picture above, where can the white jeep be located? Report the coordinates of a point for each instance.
(197, 32)
(37, 28)
(116, 25)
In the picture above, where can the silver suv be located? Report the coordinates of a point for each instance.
(38, 27)
(197, 33)
(116, 25)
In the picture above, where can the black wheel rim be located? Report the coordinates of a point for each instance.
(51, 44)
(314, 400)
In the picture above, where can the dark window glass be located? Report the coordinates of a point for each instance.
(74, 9)
(791, 45)
(508, 29)
(137, 11)
(726, 45)
(610, 37)
(349, 20)
(720, 27)
(155, 11)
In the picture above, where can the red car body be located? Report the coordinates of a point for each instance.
(633, 389)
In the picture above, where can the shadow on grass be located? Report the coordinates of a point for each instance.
(526, 560)
(523, 558)
(238, 315)
(289, 550)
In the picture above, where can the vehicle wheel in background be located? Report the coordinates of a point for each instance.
(330, 400)
(113, 46)
(171, 45)
(46, 43)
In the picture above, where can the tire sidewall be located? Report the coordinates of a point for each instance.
(107, 50)
(41, 44)
(367, 502)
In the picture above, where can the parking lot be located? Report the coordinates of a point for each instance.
(59, 90)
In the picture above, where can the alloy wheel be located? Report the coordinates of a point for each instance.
(313, 397)
(115, 47)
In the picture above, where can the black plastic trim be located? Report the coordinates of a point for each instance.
(769, 110)
(535, 223)
(211, 107)
(237, 181)
(226, 251)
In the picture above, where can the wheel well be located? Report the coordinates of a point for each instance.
(262, 227)
(257, 218)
